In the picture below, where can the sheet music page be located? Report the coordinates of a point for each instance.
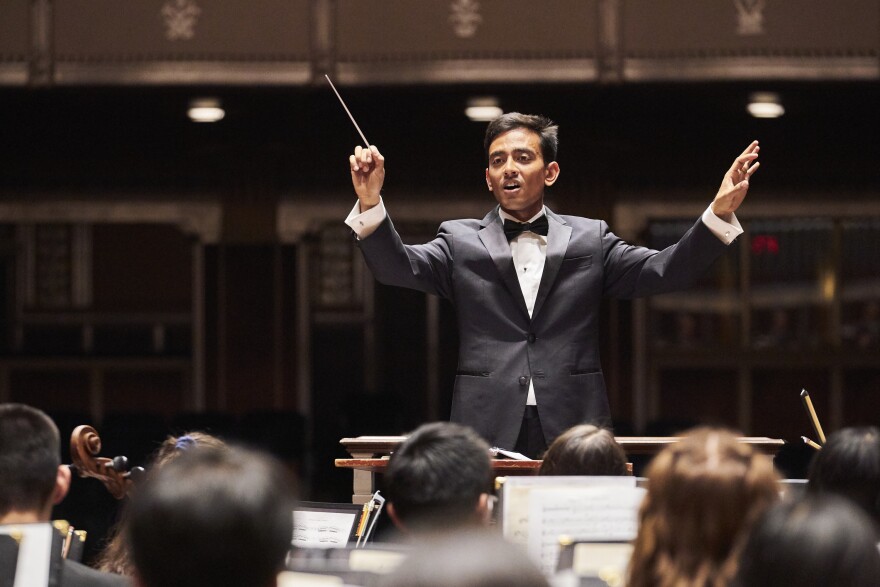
(589, 513)
(516, 491)
(34, 553)
(322, 529)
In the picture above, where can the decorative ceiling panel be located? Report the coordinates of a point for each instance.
(14, 40)
(466, 40)
(182, 41)
(750, 38)
(109, 30)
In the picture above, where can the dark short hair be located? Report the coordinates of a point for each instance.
(212, 517)
(436, 476)
(546, 129)
(849, 465)
(584, 450)
(116, 556)
(821, 540)
(30, 453)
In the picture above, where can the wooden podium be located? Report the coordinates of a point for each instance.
(369, 456)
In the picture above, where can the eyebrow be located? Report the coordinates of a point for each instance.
(518, 150)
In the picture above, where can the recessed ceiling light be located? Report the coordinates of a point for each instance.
(483, 109)
(205, 110)
(765, 105)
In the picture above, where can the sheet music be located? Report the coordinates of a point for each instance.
(322, 529)
(589, 513)
(34, 553)
(516, 492)
(299, 579)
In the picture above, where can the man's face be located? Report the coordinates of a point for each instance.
(517, 173)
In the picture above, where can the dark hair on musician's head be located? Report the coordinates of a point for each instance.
(116, 556)
(212, 517)
(584, 450)
(849, 465)
(818, 541)
(546, 129)
(466, 559)
(435, 478)
(704, 494)
(30, 453)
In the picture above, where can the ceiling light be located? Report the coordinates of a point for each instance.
(765, 105)
(483, 109)
(205, 110)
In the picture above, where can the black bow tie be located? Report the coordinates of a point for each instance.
(513, 229)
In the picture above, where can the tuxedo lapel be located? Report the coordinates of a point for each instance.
(558, 236)
(492, 236)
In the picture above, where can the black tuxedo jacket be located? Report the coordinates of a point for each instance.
(74, 574)
(501, 348)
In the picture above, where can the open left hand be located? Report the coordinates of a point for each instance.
(735, 184)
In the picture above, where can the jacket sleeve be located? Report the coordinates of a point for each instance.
(426, 267)
(632, 271)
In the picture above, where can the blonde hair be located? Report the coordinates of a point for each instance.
(704, 494)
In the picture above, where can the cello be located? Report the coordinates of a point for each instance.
(116, 474)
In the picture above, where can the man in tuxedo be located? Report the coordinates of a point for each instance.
(32, 480)
(527, 282)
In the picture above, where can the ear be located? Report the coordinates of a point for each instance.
(484, 509)
(62, 484)
(551, 173)
(392, 513)
(488, 181)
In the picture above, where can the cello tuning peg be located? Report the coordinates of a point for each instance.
(119, 464)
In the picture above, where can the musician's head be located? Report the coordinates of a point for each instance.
(116, 556)
(439, 478)
(849, 465)
(33, 479)
(521, 152)
(175, 446)
(584, 450)
(212, 517)
(705, 493)
(816, 541)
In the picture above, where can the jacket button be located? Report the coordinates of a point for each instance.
(523, 380)
(531, 337)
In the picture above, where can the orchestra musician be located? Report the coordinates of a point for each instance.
(33, 480)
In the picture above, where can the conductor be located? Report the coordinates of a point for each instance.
(527, 282)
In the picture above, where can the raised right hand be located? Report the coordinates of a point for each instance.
(367, 175)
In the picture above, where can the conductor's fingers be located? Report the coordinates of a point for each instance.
(753, 146)
(741, 162)
(752, 169)
(377, 157)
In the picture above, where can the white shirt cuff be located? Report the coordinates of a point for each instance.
(726, 231)
(365, 223)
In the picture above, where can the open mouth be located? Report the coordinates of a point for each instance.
(511, 186)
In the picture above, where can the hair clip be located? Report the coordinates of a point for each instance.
(185, 442)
